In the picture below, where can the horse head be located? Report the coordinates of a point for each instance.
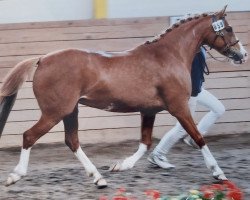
(222, 38)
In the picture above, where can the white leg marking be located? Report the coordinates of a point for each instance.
(212, 164)
(90, 168)
(21, 169)
(129, 162)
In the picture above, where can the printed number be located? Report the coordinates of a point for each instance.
(218, 25)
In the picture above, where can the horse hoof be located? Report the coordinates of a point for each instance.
(101, 183)
(115, 167)
(9, 182)
(12, 179)
(221, 177)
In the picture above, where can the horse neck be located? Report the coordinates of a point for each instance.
(184, 41)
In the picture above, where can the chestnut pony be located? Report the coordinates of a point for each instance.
(150, 78)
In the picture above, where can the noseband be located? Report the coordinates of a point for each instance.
(218, 26)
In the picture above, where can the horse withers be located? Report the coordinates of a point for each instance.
(150, 78)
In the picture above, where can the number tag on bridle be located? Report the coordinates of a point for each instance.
(218, 25)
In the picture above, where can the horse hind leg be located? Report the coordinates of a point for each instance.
(72, 141)
(145, 143)
(29, 138)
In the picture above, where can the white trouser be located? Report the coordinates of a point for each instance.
(204, 98)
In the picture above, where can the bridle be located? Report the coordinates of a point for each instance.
(218, 26)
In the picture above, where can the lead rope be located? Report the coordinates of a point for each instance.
(206, 70)
(224, 60)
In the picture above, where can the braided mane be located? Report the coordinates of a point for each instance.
(174, 26)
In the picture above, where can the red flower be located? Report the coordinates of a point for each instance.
(235, 195)
(208, 194)
(234, 192)
(217, 187)
(204, 188)
(121, 190)
(103, 198)
(153, 193)
(120, 198)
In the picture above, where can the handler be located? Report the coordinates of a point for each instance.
(198, 96)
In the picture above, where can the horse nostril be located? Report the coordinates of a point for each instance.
(246, 54)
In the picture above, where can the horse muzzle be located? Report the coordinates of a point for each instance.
(238, 57)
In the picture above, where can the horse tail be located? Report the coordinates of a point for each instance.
(11, 84)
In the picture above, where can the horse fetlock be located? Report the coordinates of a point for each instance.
(20, 170)
(97, 178)
(218, 173)
(92, 171)
(128, 163)
(213, 166)
(90, 174)
(12, 179)
(115, 167)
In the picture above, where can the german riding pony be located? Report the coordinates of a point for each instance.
(150, 78)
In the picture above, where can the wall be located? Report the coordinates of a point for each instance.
(142, 8)
(16, 11)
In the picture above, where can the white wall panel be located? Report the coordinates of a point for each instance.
(142, 8)
(14, 11)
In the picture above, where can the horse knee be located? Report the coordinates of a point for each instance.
(200, 141)
(72, 144)
(28, 140)
(148, 144)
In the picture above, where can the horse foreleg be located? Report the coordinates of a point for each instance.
(72, 141)
(145, 143)
(29, 138)
(188, 124)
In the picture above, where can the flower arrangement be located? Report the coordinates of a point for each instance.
(224, 191)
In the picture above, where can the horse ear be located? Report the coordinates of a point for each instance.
(222, 13)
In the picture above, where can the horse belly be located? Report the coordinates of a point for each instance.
(115, 105)
(107, 105)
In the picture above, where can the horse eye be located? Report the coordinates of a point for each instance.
(229, 29)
